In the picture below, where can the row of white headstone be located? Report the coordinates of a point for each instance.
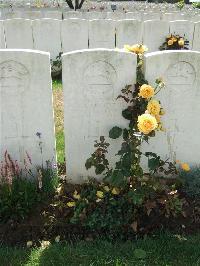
(56, 14)
(57, 36)
(92, 80)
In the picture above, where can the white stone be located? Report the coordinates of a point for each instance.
(180, 99)
(26, 107)
(154, 34)
(18, 33)
(2, 36)
(92, 80)
(32, 14)
(183, 28)
(102, 33)
(196, 40)
(96, 15)
(53, 14)
(150, 16)
(47, 36)
(116, 15)
(72, 14)
(134, 15)
(74, 34)
(128, 32)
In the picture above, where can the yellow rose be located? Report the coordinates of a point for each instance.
(157, 117)
(106, 188)
(100, 194)
(76, 195)
(115, 191)
(185, 167)
(146, 91)
(174, 39)
(137, 48)
(153, 107)
(170, 42)
(181, 42)
(71, 204)
(147, 123)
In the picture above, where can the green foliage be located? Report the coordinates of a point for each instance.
(19, 197)
(115, 132)
(196, 5)
(180, 4)
(191, 182)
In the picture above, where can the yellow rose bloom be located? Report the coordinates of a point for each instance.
(76, 195)
(71, 204)
(153, 107)
(137, 48)
(115, 191)
(147, 123)
(146, 91)
(185, 167)
(157, 117)
(106, 188)
(181, 42)
(100, 194)
(170, 42)
(174, 39)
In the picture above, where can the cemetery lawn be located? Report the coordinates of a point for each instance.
(159, 250)
(59, 118)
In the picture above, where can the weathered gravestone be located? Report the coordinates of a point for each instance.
(46, 35)
(26, 121)
(92, 80)
(74, 34)
(155, 33)
(2, 37)
(180, 99)
(196, 40)
(102, 33)
(128, 31)
(184, 28)
(18, 33)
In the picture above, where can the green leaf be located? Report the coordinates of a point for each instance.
(153, 163)
(99, 169)
(115, 132)
(89, 163)
(127, 114)
(126, 160)
(140, 253)
(125, 134)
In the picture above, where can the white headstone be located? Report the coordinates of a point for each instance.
(72, 14)
(150, 16)
(2, 36)
(92, 80)
(134, 15)
(53, 14)
(196, 40)
(128, 31)
(183, 28)
(47, 36)
(32, 14)
(180, 70)
(154, 33)
(18, 33)
(26, 121)
(102, 33)
(96, 15)
(74, 34)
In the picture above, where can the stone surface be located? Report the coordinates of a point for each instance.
(180, 71)
(72, 14)
(196, 40)
(74, 34)
(102, 33)
(154, 34)
(32, 14)
(92, 80)
(26, 107)
(53, 14)
(2, 37)
(183, 28)
(18, 33)
(128, 32)
(46, 35)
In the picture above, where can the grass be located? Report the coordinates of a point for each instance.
(163, 250)
(59, 119)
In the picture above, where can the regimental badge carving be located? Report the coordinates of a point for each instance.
(180, 73)
(14, 77)
(99, 78)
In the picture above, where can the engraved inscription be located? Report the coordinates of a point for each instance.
(180, 73)
(14, 77)
(99, 78)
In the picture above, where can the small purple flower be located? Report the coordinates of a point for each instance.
(38, 134)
